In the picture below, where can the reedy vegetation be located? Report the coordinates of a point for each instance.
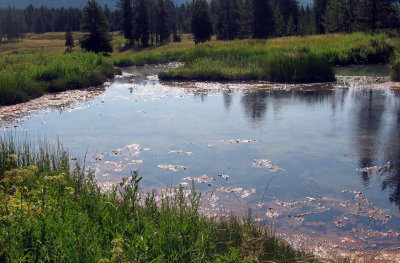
(50, 212)
(288, 59)
(28, 74)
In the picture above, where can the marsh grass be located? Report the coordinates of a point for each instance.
(395, 71)
(287, 59)
(37, 65)
(29, 74)
(50, 212)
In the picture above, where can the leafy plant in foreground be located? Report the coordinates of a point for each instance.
(50, 212)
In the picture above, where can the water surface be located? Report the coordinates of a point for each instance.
(317, 162)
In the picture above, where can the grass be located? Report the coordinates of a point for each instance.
(50, 212)
(395, 73)
(241, 62)
(288, 59)
(38, 65)
(29, 74)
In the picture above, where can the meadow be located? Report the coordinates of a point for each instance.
(51, 212)
(39, 64)
(25, 75)
(287, 59)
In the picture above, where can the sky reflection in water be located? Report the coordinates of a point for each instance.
(215, 132)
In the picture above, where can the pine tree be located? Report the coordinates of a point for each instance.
(226, 18)
(331, 17)
(142, 33)
(39, 25)
(338, 16)
(246, 27)
(263, 23)
(279, 22)
(126, 9)
(291, 27)
(69, 41)
(183, 19)
(319, 12)
(161, 23)
(377, 14)
(12, 25)
(200, 21)
(94, 23)
(171, 18)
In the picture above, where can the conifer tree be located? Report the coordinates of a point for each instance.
(246, 14)
(319, 12)
(39, 27)
(200, 21)
(263, 23)
(291, 27)
(171, 17)
(161, 23)
(142, 33)
(377, 14)
(69, 41)
(12, 25)
(226, 18)
(94, 23)
(279, 22)
(331, 21)
(126, 8)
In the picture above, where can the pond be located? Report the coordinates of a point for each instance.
(318, 163)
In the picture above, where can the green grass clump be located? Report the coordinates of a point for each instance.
(288, 59)
(153, 57)
(297, 65)
(50, 212)
(27, 75)
(395, 72)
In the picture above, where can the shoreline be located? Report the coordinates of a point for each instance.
(65, 98)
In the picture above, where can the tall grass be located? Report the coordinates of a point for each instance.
(241, 63)
(31, 73)
(52, 213)
(27, 75)
(288, 59)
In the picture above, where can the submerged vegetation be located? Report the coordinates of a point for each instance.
(51, 212)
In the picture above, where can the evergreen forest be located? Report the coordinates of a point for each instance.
(154, 22)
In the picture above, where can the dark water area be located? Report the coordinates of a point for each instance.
(316, 162)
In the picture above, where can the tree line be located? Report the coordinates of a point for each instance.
(273, 18)
(153, 22)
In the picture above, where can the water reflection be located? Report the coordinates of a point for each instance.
(254, 104)
(370, 108)
(256, 101)
(227, 99)
(392, 153)
(319, 134)
(376, 138)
